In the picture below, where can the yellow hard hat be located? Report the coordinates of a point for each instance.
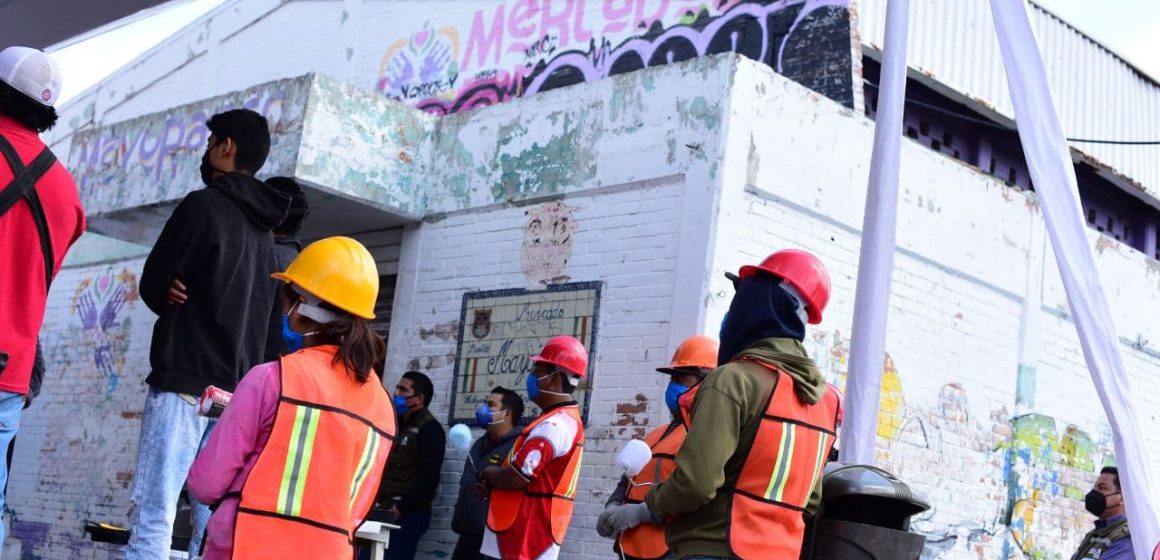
(339, 271)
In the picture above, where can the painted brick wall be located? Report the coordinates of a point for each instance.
(1003, 485)
(670, 206)
(625, 239)
(77, 445)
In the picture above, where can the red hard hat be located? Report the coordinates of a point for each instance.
(804, 272)
(566, 353)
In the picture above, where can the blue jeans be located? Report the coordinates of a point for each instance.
(11, 405)
(405, 541)
(171, 432)
(201, 511)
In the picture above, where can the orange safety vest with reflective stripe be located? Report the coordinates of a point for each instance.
(647, 541)
(779, 473)
(325, 456)
(506, 508)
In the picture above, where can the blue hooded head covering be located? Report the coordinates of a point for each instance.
(761, 308)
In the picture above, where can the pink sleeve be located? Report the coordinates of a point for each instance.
(236, 436)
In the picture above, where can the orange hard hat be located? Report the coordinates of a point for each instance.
(564, 352)
(695, 353)
(804, 272)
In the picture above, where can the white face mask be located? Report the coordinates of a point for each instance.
(312, 308)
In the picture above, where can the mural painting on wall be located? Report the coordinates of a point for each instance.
(1001, 488)
(99, 305)
(502, 329)
(547, 242)
(514, 48)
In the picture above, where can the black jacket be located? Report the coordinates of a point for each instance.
(286, 249)
(218, 243)
(470, 511)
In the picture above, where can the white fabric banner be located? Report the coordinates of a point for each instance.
(876, 257)
(1054, 177)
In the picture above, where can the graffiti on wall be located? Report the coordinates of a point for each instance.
(547, 244)
(156, 157)
(1001, 488)
(500, 330)
(522, 47)
(104, 328)
(82, 429)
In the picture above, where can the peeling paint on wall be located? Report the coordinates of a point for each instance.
(567, 159)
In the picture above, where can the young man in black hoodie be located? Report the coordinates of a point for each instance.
(208, 280)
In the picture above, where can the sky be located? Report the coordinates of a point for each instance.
(1129, 28)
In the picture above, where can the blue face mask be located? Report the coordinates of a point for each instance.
(533, 386)
(672, 394)
(292, 338)
(400, 404)
(484, 416)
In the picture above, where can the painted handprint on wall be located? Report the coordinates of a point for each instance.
(99, 303)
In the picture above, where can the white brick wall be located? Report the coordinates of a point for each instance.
(625, 239)
(790, 170)
(77, 444)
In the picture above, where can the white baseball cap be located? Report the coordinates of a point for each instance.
(31, 72)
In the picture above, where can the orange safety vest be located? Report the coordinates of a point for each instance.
(780, 472)
(647, 541)
(506, 507)
(326, 453)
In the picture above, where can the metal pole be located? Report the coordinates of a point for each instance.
(876, 260)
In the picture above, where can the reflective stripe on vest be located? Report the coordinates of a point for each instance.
(647, 541)
(780, 472)
(506, 508)
(330, 441)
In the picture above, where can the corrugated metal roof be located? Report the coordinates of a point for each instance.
(1097, 94)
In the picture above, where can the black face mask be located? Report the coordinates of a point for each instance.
(207, 169)
(1096, 502)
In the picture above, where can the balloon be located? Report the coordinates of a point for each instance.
(460, 436)
(633, 457)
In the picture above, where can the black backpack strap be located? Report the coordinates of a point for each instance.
(23, 186)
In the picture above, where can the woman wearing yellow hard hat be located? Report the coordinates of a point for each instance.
(295, 460)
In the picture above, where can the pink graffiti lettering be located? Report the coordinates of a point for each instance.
(557, 22)
(482, 42)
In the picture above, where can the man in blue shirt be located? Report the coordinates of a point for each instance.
(1110, 540)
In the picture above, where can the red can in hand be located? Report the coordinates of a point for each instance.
(213, 402)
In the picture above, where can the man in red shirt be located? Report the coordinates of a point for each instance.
(530, 505)
(40, 219)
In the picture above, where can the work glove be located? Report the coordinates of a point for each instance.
(630, 515)
(604, 522)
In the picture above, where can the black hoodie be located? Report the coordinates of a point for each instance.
(218, 242)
